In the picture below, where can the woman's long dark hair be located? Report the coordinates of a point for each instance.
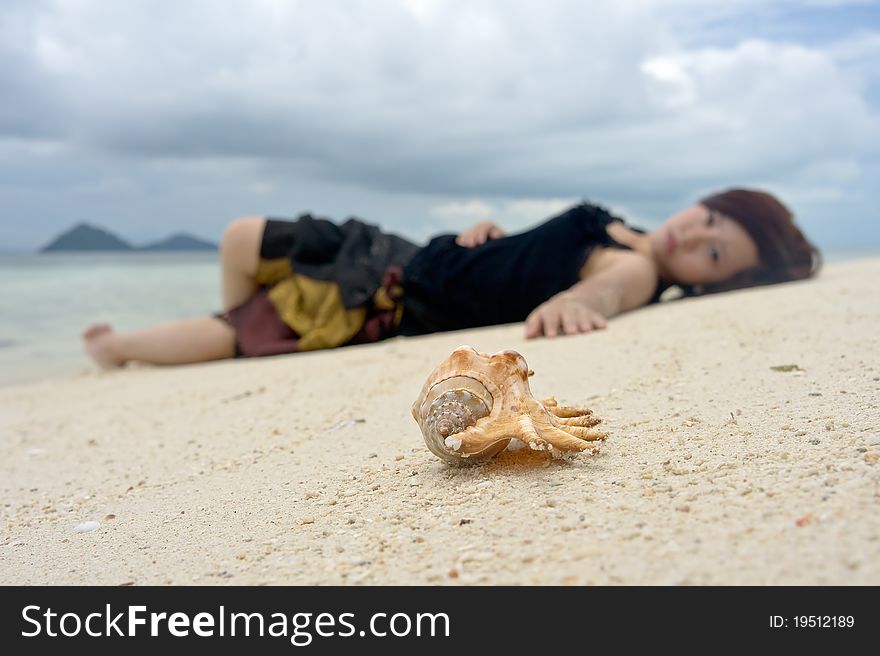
(785, 253)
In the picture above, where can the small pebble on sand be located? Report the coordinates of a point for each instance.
(804, 520)
(85, 527)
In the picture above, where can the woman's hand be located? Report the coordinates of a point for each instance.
(563, 312)
(479, 234)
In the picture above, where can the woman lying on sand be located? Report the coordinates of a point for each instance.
(302, 285)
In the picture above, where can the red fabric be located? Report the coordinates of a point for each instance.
(259, 330)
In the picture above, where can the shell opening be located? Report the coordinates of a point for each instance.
(452, 443)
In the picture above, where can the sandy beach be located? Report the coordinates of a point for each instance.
(723, 465)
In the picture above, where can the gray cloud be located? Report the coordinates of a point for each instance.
(407, 104)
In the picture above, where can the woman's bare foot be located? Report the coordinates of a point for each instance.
(99, 341)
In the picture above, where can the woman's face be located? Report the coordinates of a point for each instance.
(702, 246)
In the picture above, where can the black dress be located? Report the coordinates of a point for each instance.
(370, 285)
(451, 287)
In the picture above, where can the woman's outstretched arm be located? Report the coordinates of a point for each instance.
(626, 283)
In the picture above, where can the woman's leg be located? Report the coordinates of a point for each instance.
(239, 258)
(178, 342)
(191, 340)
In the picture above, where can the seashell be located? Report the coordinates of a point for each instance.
(473, 404)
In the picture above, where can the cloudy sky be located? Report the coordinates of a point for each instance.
(157, 116)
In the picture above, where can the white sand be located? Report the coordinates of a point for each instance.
(717, 470)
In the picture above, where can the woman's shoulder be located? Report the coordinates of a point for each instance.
(602, 258)
(632, 273)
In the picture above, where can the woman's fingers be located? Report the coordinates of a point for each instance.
(535, 323)
(593, 321)
(479, 234)
(569, 318)
(572, 321)
(549, 322)
(585, 323)
(544, 320)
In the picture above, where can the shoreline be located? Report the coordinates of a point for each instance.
(57, 356)
(72, 363)
(308, 469)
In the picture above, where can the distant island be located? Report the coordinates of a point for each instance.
(85, 237)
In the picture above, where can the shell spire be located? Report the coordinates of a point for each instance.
(450, 407)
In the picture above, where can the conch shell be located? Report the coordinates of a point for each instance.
(473, 404)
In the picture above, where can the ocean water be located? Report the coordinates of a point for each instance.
(47, 300)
